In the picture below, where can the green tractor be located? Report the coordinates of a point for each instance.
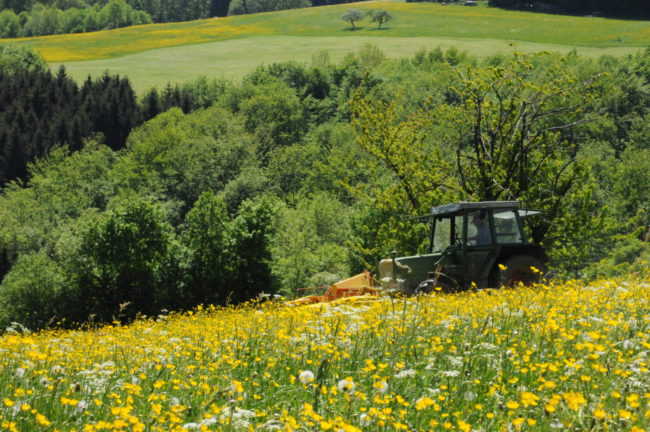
(471, 245)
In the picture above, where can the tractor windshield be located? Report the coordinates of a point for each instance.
(442, 236)
(506, 227)
(447, 231)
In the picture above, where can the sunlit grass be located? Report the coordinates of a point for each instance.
(411, 20)
(234, 58)
(158, 54)
(565, 356)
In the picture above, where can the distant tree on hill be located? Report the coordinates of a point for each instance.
(15, 58)
(380, 17)
(116, 15)
(66, 17)
(352, 16)
(9, 24)
(17, 5)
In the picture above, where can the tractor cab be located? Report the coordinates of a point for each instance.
(471, 244)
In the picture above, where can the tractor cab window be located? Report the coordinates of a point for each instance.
(506, 227)
(448, 232)
(478, 228)
(442, 234)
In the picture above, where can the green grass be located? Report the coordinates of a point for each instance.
(232, 46)
(235, 58)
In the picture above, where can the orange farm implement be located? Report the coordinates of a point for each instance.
(359, 285)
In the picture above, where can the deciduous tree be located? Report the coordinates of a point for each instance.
(352, 16)
(381, 17)
(511, 132)
(408, 172)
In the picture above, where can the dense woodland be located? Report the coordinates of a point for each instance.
(619, 8)
(40, 109)
(79, 17)
(301, 175)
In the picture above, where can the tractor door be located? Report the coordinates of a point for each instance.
(479, 245)
(447, 239)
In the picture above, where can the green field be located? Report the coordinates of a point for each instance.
(235, 58)
(160, 53)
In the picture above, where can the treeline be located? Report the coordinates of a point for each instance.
(36, 18)
(47, 20)
(39, 110)
(616, 8)
(302, 175)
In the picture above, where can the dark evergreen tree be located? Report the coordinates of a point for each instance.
(39, 110)
(151, 105)
(111, 105)
(219, 8)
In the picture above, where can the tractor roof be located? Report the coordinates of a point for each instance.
(463, 205)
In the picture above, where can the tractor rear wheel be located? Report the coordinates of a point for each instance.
(524, 269)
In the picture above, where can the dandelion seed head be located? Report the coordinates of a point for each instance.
(306, 377)
(346, 385)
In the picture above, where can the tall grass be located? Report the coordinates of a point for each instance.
(564, 356)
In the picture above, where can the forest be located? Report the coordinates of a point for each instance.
(619, 8)
(215, 191)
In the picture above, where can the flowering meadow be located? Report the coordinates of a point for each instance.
(412, 20)
(569, 356)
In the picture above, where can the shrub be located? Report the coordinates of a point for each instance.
(252, 231)
(33, 292)
(208, 239)
(122, 256)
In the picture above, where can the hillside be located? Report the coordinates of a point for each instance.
(159, 53)
(561, 356)
(300, 176)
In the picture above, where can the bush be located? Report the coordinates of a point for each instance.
(208, 239)
(122, 258)
(33, 292)
(252, 231)
(14, 58)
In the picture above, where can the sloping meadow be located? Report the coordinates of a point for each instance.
(550, 357)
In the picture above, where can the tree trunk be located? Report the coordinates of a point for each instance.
(219, 8)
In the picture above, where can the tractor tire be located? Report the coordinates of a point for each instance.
(519, 269)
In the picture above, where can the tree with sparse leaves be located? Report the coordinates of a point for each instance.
(510, 132)
(352, 16)
(409, 172)
(381, 17)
